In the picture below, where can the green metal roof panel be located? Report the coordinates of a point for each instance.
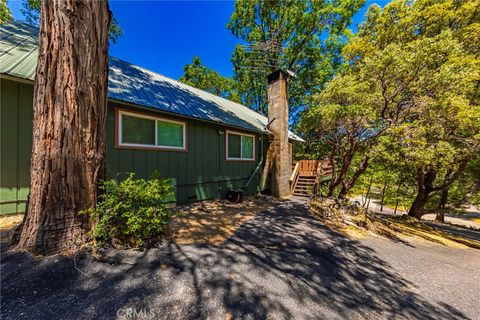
(18, 50)
(133, 84)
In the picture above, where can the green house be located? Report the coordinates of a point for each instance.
(205, 144)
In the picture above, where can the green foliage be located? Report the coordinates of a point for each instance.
(311, 34)
(31, 13)
(133, 211)
(410, 86)
(346, 123)
(5, 13)
(202, 77)
(398, 186)
(114, 31)
(440, 130)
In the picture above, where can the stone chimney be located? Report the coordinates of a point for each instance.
(279, 150)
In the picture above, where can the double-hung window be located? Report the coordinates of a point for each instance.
(144, 131)
(240, 146)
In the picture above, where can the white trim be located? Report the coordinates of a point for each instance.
(156, 119)
(241, 146)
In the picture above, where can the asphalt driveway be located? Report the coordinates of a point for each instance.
(282, 264)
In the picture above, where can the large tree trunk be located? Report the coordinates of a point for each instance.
(70, 100)
(425, 188)
(417, 210)
(347, 186)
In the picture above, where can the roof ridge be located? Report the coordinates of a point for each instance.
(187, 85)
(159, 74)
(135, 84)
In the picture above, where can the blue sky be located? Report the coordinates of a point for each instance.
(163, 36)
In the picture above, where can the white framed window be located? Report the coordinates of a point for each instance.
(240, 146)
(144, 131)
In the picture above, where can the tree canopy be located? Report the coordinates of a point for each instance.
(198, 75)
(5, 13)
(31, 12)
(410, 86)
(303, 36)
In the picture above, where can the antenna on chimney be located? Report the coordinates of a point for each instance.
(264, 55)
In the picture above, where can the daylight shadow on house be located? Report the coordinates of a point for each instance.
(130, 83)
(280, 264)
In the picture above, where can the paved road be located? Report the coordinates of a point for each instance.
(282, 264)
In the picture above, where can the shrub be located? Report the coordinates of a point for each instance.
(132, 212)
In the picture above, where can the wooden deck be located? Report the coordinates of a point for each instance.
(307, 174)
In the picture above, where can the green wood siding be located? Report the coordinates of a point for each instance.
(16, 144)
(199, 173)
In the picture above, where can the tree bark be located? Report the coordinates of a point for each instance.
(471, 192)
(368, 191)
(417, 210)
(425, 187)
(396, 201)
(70, 101)
(440, 216)
(383, 195)
(347, 186)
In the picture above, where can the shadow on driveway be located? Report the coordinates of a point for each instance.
(282, 264)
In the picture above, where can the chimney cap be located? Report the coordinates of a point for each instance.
(276, 75)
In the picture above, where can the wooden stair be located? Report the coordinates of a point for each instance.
(308, 174)
(304, 186)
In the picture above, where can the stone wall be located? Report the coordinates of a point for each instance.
(281, 164)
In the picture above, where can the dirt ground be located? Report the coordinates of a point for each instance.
(402, 228)
(214, 221)
(7, 222)
(470, 219)
(202, 222)
(7, 225)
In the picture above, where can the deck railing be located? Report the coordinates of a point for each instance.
(320, 169)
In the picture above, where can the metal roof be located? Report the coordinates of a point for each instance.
(133, 84)
(18, 50)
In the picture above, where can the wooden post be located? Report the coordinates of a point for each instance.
(396, 203)
(383, 195)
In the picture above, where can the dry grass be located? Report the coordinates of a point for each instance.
(404, 228)
(8, 222)
(8, 225)
(202, 222)
(215, 221)
(398, 228)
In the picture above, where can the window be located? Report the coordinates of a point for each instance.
(137, 130)
(240, 146)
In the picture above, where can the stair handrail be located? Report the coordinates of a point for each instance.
(294, 175)
(325, 168)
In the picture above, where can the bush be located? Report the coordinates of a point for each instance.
(132, 212)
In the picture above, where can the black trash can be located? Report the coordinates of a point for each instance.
(235, 196)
